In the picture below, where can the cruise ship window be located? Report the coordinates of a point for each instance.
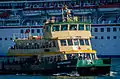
(86, 42)
(70, 42)
(76, 42)
(5, 38)
(64, 27)
(38, 30)
(11, 39)
(0, 38)
(108, 37)
(63, 42)
(32, 30)
(96, 37)
(55, 28)
(102, 37)
(81, 42)
(114, 37)
(16, 38)
(87, 27)
(21, 31)
(73, 27)
(102, 29)
(81, 27)
(108, 29)
(114, 29)
(96, 29)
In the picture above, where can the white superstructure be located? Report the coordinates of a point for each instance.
(16, 17)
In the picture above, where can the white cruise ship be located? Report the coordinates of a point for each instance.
(19, 17)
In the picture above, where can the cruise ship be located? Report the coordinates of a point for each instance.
(20, 17)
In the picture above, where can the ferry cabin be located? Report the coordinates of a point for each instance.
(60, 41)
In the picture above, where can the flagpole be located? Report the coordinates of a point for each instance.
(62, 16)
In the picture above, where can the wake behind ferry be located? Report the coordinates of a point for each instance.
(64, 48)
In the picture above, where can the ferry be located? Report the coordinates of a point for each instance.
(65, 47)
(16, 17)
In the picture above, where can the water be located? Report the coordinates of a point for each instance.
(115, 74)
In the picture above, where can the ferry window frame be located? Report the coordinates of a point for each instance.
(48, 28)
(102, 29)
(70, 42)
(76, 42)
(53, 29)
(87, 27)
(81, 27)
(73, 27)
(66, 27)
(87, 42)
(63, 42)
(81, 41)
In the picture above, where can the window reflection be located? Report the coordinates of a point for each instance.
(73, 27)
(64, 27)
(81, 27)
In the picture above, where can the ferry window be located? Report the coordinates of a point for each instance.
(76, 42)
(55, 28)
(81, 27)
(108, 37)
(38, 30)
(70, 42)
(21, 31)
(102, 29)
(64, 27)
(114, 29)
(96, 29)
(5, 38)
(63, 42)
(48, 28)
(0, 38)
(114, 37)
(32, 30)
(86, 42)
(73, 27)
(108, 29)
(96, 37)
(81, 42)
(88, 27)
(102, 37)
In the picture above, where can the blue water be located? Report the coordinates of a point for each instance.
(115, 74)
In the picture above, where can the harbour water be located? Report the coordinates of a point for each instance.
(114, 74)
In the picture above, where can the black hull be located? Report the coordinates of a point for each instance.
(83, 71)
(66, 66)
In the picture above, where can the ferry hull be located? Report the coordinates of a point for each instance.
(60, 67)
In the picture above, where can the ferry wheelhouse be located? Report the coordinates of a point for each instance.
(65, 47)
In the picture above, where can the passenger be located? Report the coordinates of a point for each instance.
(80, 56)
